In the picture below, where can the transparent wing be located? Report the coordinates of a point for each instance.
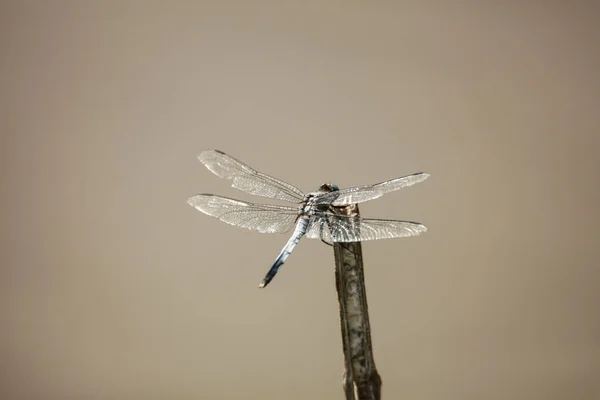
(318, 228)
(248, 179)
(259, 217)
(360, 194)
(342, 228)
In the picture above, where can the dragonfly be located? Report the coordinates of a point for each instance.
(316, 214)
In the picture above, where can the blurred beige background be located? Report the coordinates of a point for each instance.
(111, 287)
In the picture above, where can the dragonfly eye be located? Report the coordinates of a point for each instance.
(328, 187)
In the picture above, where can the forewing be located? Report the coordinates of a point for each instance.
(360, 194)
(259, 217)
(342, 228)
(247, 179)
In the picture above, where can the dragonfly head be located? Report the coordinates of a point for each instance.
(328, 187)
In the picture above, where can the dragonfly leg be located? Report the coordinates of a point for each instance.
(326, 242)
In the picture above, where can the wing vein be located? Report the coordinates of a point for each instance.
(248, 179)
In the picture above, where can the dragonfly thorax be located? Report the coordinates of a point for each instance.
(311, 204)
(307, 205)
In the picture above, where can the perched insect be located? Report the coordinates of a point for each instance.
(315, 217)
